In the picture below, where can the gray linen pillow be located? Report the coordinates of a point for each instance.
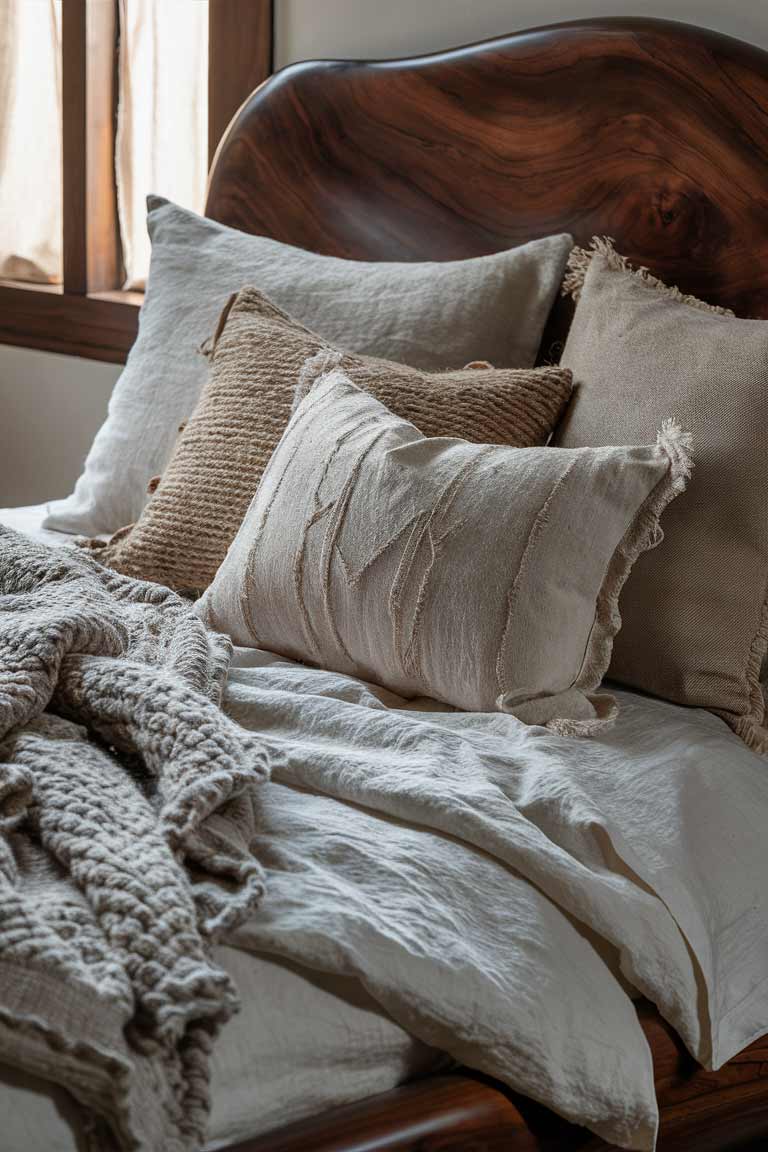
(695, 615)
(431, 316)
(480, 575)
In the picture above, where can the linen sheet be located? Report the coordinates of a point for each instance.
(29, 520)
(649, 838)
(303, 1042)
(640, 853)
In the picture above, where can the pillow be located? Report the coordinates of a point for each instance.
(480, 575)
(432, 316)
(695, 615)
(183, 534)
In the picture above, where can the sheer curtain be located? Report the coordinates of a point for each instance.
(162, 136)
(30, 140)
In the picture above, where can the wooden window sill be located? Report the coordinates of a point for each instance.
(98, 326)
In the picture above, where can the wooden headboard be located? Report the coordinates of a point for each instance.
(652, 132)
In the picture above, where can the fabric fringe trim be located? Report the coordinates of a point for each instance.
(313, 369)
(643, 534)
(606, 712)
(754, 734)
(752, 728)
(580, 261)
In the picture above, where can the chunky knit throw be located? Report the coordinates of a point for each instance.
(127, 806)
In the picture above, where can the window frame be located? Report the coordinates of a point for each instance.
(88, 314)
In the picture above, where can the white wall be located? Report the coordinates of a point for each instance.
(50, 406)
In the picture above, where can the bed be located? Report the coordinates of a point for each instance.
(651, 132)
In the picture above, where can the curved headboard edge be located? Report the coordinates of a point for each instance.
(653, 132)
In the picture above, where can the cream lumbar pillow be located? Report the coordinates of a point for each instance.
(483, 576)
(432, 315)
(695, 614)
(256, 361)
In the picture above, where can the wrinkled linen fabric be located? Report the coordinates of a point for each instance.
(127, 806)
(653, 831)
(695, 615)
(302, 1043)
(431, 315)
(373, 872)
(483, 575)
(650, 837)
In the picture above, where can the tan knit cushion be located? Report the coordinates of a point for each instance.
(480, 575)
(257, 359)
(695, 614)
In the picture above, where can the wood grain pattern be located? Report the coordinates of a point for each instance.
(239, 58)
(701, 1111)
(652, 132)
(74, 137)
(101, 326)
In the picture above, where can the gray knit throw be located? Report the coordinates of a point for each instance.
(126, 814)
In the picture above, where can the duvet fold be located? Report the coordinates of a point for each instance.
(392, 855)
(648, 841)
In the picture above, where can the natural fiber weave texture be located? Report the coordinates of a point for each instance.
(696, 613)
(258, 356)
(126, 814)
(480, 575)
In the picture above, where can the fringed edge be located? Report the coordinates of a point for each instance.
(754, 734)
(312, 369)
(606, 712)
(643, 534)
(580, 261)
(752, 728)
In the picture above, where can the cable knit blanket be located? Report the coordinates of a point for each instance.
(127, 807)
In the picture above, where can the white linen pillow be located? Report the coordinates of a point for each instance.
(428, 315)
(483, 576)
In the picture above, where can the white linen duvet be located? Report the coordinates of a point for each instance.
(501, 891)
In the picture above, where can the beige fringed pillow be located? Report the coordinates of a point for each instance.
(483, 576)
(257, 356)
(695, 615)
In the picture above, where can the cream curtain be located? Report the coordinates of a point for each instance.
(30, 140)
(162, 136)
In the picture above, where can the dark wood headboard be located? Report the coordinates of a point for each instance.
(652, 132)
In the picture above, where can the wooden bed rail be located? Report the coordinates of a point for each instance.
(452, 1113)
(723, 1111)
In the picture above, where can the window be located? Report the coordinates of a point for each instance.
(121, 97)
(30, 108)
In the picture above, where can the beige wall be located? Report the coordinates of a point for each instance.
(379, 28)
(50, 409)
(50, 406)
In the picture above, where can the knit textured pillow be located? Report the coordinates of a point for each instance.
(696, 613)
(480, 575)
(257, 358)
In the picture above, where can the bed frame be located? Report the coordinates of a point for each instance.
(654, 133)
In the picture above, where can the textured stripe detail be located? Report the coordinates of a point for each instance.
(257, 358)
(452, 554)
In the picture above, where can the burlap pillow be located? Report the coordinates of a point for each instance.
(480, 575)
(257, 357)
(695, 615)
